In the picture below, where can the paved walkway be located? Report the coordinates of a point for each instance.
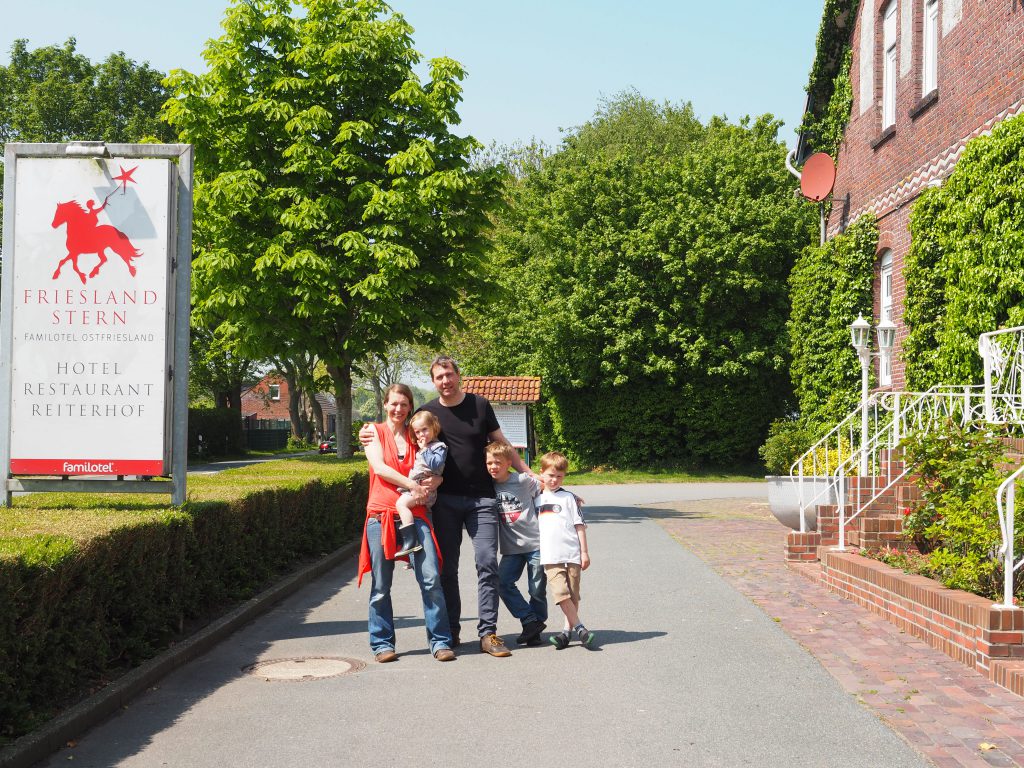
(942, 708)
(689, 671)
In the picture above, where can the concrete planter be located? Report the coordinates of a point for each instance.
(784, 498)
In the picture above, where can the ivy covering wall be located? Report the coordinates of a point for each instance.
(829, 285)
(830, 95)
(965, 269)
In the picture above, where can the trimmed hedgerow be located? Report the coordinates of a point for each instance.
(90, 586)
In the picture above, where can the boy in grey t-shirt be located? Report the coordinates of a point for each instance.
(519, 543)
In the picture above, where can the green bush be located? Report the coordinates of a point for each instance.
(76, 609)
(221, 429)
(787, 440)
(958, 471)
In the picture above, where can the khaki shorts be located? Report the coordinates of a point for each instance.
(564, 582)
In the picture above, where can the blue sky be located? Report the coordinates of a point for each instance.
(535, 67)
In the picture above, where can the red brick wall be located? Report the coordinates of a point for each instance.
(966, 627)
(980, 81)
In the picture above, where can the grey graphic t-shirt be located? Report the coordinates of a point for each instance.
(518, 531)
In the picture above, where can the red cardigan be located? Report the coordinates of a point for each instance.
(382, 498)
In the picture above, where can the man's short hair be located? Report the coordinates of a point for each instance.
(443, 361)
(554, 460)
(500, 450)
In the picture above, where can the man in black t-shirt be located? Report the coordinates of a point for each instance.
(466, 499)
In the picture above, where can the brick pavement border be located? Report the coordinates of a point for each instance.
(54, 734)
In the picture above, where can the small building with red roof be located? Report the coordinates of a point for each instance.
(511, 398)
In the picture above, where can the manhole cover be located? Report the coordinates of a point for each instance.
(304, 668)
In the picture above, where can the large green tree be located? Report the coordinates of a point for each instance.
(644, 269)
(334, 206)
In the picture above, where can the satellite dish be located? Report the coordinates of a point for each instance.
(818, 177)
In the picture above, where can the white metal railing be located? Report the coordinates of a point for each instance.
(1005, 498)
(907, 411)
(823, 472)
(1003, 355)
(830, 463)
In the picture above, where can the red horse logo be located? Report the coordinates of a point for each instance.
(87, 235)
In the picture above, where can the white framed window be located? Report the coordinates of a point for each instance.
(275, 391)
(885, 313)
(930, 47)
(889, 56)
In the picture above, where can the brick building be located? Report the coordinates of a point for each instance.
(266, 400)
(927, 76)
(265, 405)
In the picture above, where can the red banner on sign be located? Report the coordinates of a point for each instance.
(86, 467)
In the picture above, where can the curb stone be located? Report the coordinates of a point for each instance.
(54, 734)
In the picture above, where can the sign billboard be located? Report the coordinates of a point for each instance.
(90, 332)
(89, 343)
(512, 420)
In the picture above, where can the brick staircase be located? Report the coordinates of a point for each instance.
(881, 523)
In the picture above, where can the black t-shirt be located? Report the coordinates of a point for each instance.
(464, 429)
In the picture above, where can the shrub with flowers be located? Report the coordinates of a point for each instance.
(955, 522)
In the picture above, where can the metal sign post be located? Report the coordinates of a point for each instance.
(94, 317)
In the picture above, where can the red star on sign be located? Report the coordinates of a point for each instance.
(125, 177)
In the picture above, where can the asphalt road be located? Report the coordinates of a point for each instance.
(687, 672)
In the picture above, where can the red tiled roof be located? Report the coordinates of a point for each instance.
(504, 389)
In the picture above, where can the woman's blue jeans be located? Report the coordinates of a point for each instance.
(428, 576)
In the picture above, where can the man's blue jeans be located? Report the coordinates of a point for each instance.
(509, 570)
(479, 516)
(428, 576)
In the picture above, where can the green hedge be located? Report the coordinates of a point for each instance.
(221, 429)
(76, 609)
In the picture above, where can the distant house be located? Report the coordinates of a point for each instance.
(927, 76)
(265, 405)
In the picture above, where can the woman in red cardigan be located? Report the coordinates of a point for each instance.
(391, 454)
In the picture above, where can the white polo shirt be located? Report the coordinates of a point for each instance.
(558, 515)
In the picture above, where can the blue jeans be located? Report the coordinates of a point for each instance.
(479, 516)
(509, 570)
(428, 576)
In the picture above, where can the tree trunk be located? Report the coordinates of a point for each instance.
(294, 398)
(342, 378)
(318, 418)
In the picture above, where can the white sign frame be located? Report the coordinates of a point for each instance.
(176, 329)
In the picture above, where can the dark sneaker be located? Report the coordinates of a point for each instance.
(444, 654)
(531, 631)
(493, 645)
(560, 641)
(385, 656)
(586, 638)
(535, 642)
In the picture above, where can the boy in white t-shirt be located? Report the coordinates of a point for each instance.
(563, 547)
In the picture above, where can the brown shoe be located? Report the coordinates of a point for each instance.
(444, 654)
(385, 656)
(493, 645)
